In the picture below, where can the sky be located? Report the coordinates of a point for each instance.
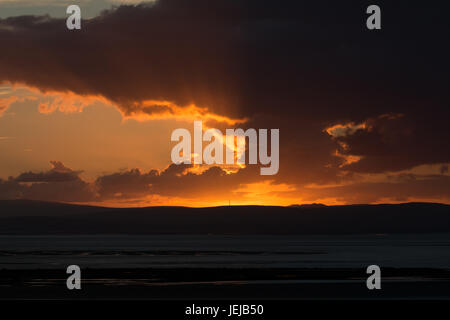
(86, 116)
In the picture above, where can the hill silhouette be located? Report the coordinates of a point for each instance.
(34, 217)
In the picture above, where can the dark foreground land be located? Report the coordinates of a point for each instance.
(19, 217)
(205, 284)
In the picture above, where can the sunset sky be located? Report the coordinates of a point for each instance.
(86, 116)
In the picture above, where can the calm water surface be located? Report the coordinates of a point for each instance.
(172, 251)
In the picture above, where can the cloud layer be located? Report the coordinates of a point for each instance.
(346, 100)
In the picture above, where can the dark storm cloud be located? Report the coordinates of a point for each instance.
(396, 142)
(300, 67)
(172, 50)
(59, 173)
(57, 184)
(131, 183)
(175, 180)
(67, 191)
